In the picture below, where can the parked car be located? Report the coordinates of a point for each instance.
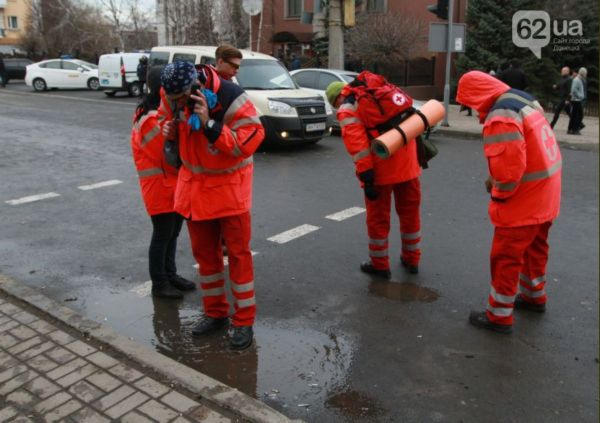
(289, 114)
(61, 73)
(16, 68)
(317, 80)
(118, 72)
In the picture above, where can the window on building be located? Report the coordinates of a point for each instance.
(375, 5)
(294, 8)
(13, 22)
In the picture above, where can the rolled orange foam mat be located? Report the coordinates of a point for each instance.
(386, 144)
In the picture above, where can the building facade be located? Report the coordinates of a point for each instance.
(13, 16)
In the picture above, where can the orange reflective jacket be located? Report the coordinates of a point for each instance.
(157, 177)
(216, 177)
(523, 156)
(400, 167)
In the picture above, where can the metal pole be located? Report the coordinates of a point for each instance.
(448, 58)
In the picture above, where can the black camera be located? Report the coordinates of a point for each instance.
(191, 102)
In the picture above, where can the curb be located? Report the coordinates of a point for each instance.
(213, 391)
(470, 135)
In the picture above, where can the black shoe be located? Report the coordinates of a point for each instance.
(581, 126)
(480, 319)
(241, 338)
(576, 133)
(165, 290)
(181, 283)
(367, 267)
(521, 304)
(208, 324)
(410, 268)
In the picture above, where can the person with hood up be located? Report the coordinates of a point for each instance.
(157, 182)
(524, 164)
(217, 134)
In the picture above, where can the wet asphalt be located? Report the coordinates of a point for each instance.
(332, 345)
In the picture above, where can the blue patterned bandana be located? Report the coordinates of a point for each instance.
(178, 76)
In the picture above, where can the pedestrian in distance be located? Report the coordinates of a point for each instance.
(217, 130)
(381, 178)
(157, 181)
(3, 75)
(577, 98)
(228, 61)
(524, 164)
(564, 91)
(295, 62)
(142, 70)
(514, 76)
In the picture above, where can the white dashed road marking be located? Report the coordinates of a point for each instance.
(294, 233)
(143, 290)
(32, 198)
(345, 214)
(100, 185)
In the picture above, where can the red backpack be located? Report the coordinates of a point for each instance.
(378, 100)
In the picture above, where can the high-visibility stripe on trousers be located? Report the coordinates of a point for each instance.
(518, 264)
(407, 200)
(205, 236)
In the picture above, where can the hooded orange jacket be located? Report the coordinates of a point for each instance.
(524, 160)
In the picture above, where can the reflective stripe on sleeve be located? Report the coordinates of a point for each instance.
(361, 154)
(202, 169)
(236, 150)
(505, 113)
(246, 121)
(500, 311)
(506, 299)
(410, 236)
(378, 242)
(348, 106)
(546, 173)
(507, 186)
(506, 136)
(248, 302)
(378, 253)
(150, 135)
(213, 292)
(348, 121)
(215, 277)
(234, 107)
(242, 287)
(532, 294)
(149, 172)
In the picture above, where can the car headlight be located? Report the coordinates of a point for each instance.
(280, 108)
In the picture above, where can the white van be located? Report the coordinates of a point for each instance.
(288, 113)
(111, 74)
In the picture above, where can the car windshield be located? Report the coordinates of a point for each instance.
(348, 77)
(261, 74)
(86, 64)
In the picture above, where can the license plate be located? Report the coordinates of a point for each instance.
(320, 126)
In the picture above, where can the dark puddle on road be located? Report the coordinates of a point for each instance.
(353, 404)
(290, 367)
(403, 291)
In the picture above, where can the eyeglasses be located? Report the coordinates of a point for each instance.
(233, 65)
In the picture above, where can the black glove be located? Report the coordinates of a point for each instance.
(370, 192)
(367, 177)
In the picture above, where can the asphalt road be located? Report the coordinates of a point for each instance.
(332, 345)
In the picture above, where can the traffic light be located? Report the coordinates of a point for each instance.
(440, 9)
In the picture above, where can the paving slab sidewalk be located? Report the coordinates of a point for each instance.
(56, 365)
(464, 126)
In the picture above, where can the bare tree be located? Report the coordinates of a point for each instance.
(231, 23)
(386, 38)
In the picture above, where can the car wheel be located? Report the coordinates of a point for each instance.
(93, 84)
(110, 93)
(134, 89)
(39, 84)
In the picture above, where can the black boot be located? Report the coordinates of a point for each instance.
(165, 290)
(181, 283)
(521, 304)
(208, 324)
(410, 268)
(367, 267)
(480, 319)
(241, 337)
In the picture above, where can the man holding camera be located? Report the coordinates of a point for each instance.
(229, 60)
(217, 129)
